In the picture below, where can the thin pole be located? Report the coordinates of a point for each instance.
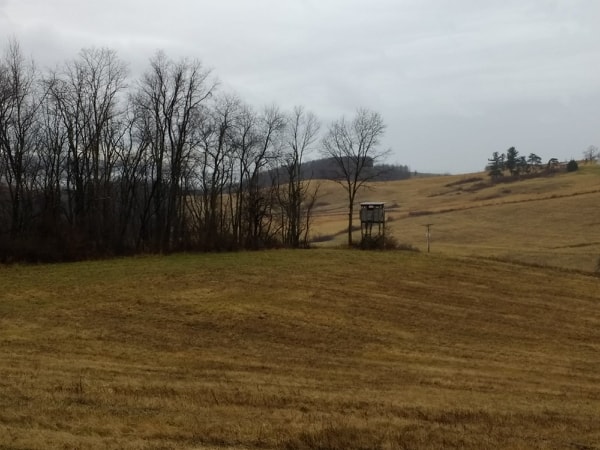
(428, 225)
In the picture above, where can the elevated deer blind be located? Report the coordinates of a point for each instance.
(372, 213)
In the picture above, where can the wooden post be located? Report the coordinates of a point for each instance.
(428, 234)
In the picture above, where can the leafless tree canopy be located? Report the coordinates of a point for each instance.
(355, 148)
(298, 194)
(93, 163)
(591, 154)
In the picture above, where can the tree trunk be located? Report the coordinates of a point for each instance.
(350, 214)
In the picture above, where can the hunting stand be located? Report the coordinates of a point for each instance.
(372, 213)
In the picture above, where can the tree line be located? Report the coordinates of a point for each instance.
(328, 169)
(92, 163)
(520, 165)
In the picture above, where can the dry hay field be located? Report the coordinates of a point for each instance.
(549, 221)
(326, 349)
(490, 341)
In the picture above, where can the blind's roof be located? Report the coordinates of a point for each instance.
(372, 204)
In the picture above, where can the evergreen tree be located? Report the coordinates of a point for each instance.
(534, 161)
(522, 166)
(512, 156)
(495, 167)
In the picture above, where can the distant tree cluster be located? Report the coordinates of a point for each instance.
(513, 163)
(92, 163)
(327, 169)
(516, 165)
(391, 172)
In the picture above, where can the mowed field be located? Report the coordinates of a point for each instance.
(490, 341)
(325, 348)
(552, 220)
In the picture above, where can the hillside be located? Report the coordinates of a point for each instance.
(552, 220)
(330, 349)
(328, 169)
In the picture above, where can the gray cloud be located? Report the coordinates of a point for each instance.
(451, 77)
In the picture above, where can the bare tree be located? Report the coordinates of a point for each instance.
(258, 198)
(213, 170)
(19, 106)
(245, 139)
(85, 94)
(169, 102)
(354, 146)
(256, 140)
(296, 198)
(89, 168)
(591, 154)
(52, 154)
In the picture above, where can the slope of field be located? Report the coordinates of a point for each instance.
(550, 220)
(330, 349)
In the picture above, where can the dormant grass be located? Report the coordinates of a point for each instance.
(552, 220)
(328, 349)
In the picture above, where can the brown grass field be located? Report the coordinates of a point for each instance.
(553, 221)
(479, 344)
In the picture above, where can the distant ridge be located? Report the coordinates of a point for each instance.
(327, 169)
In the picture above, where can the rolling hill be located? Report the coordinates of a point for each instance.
(489, 341)
(549, 220)
(328, 349)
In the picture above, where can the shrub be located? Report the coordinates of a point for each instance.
(572, 166)
(387, 242)
(371, 243)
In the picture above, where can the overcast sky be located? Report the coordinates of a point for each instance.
(454, 80)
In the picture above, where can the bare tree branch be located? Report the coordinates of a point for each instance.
(354, 146)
